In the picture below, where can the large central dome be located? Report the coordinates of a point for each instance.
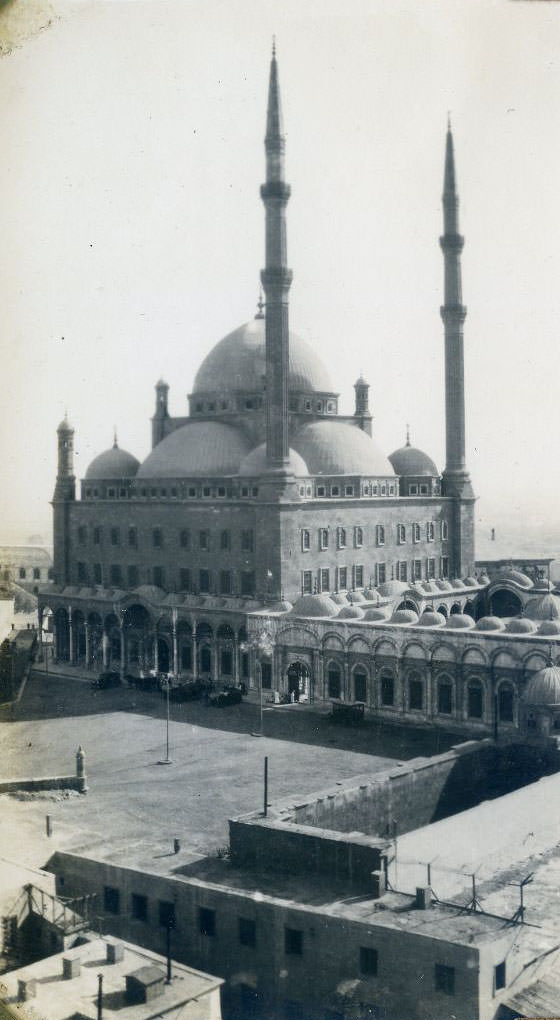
(238, 363)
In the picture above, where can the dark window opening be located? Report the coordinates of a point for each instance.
(293, 941)
(111, 900)
(139, 907)
(166, 914)
(247, 932)
(500, 975)
(387, 690)
(207, 921)
(415, 695)
(266, 675)
(368, 960)
(475, 701)
(445, 699)
(445, 979)
(204, 581)
(333, 678)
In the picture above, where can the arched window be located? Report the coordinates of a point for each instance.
(205, 659)
(474, 700)
(360, 684)
(445, 697)
(415, 692)
(387, 687)
(186, 657)
(334, 680)
(505, 703)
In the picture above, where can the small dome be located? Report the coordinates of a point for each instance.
(355, 597)
(378, 614)
(543, 584)
(280, 607)
(543, 607)
(404, 616)
(471, 582)
(201, 448)
(430, 586)
(444, 585)
(339, 599)
(432, 619)
(370, 594)
(509, 574)
(335, 448)
(519, 625)
(113, 463)
(391, 588)
(237, 364)
(549, 628)
(457, 583)
(150, 592)
(351, 613)
(544, 687)
(255, 463)
(315, 605)
(409, 460)
(490, 623)
(65, 426)
(460, 621)
(482, 580)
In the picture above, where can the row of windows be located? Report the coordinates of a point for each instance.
(201, 582)
(415, 693)
(34, 572)
(341, 536)
(174, 492)
(343, 578)
(203, 538)
(336, 490)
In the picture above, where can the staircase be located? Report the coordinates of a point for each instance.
(67, 916)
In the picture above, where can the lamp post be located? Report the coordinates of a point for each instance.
(167, 760)
(262, 643)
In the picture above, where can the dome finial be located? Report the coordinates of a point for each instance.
(274, 46)
(115, 442)
(407, 434)
(260, 306)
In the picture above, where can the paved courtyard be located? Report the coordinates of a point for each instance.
(138, 806)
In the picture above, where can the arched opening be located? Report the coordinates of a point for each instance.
(455, 609)
(95, 624)
(443, 610)
(387, 687)
(415, 692)
(334, 680)
(505, 703)
(504, 602)
(360, 684)
(470, 609)
(408, 604)
(445, 696)
(163, 655)
(474, 699)
(78, 625)
(61, 635)
(298, 680)
(226, 639)
(184, 646)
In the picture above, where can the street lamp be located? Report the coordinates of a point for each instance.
(262, 643)
(167, 760)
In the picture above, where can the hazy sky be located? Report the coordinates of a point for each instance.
(132, 228)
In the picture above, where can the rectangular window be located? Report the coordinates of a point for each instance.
(133, 538)
(115, 574)
(36, 573)
(358, 537)
(185, 579)
(185, 539)
(417, 570)
(321, 490)
(166, 914)
(158, 576)
(115, 536)
(247, 582)
(335, 490)
(475, 700)
(423, 490)
(307, 582)
(139, 907)
(500, 976)
(401, 534)
(415, 695)
(293, 942)
(430, 531)
(207, 921)
(359, 576)
(413, 489)
(111, 900)
(204, 540)
(445, 979)
(225, 540)
(445, 699)
(323, 538)
(247, 541)
(445, 566)
(381, 572)
(343, 577)
(387, 689)
(97, 573)
(305, 540)
(430, 568)
(247, 932)
(225, 582)
(349, 490)
(368, 960)
(97, 536)
(204, 582)
(402, 570)
(132, 576)
(324, 581)
(341, 538)
(415, 532)
(157, 540)
(444, 531)
(82, 535)
(82, 573)
(380, 535)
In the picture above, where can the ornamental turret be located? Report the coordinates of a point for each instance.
(65, 481)
(161, 414)
(276, 280)
(63, 499)
(362, 413)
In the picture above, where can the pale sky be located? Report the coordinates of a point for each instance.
(133, 232)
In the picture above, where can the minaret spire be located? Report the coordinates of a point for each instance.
(276, 280)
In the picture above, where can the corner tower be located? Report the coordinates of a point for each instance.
(276, 280)
(456, 481)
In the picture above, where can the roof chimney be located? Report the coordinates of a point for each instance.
(423, 897)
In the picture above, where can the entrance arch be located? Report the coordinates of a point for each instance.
(298, 679)
(504, 602)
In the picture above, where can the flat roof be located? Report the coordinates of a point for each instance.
(58, 998)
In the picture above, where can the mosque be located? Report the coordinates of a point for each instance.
(267, 539)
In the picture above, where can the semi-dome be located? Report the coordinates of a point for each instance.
(237, 363)
(489, 623)
(335, 448)
(113, 463)
(254, 464)
(351, 613)
(460, 621)
(544, 687)
(510, 574)
(519, 625)
(202, 448)
(409, 460)
(315, 605)
(543, 607)
(430, 618)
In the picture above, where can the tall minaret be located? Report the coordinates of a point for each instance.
(276, 279)
(62, 502)
(456, 479)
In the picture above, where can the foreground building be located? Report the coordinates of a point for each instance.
(267, 539)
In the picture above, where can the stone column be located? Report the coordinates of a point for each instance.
(70, 637)
(235, 661)
(194, 663)
(88, 645)
(105, 647)
(215, 648)
(123, 649)
(156, 651)
(346, 680)
(314, 679)
(41, 650)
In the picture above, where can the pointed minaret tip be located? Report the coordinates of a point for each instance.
(274, 47)
(449, 175)
(407, 434)
(274, 123)
(115, 443)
